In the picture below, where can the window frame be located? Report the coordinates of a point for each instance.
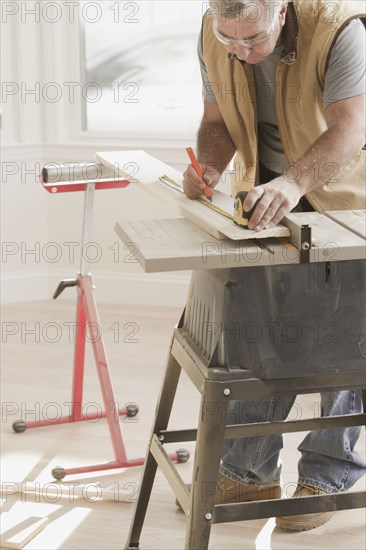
(77, 113)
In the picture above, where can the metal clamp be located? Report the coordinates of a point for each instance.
(300, 236)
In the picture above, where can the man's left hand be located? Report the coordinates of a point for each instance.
(274, 200)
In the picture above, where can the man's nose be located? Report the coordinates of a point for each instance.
(241, 51)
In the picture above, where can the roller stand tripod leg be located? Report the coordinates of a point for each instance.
(76, 415)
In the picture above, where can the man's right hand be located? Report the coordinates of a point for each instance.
(193, 185)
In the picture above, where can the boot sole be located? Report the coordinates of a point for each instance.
(303, 524)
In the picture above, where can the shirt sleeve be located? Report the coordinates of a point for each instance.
(208, 93)
(345, 76)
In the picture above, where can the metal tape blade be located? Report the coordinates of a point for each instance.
(205, 202)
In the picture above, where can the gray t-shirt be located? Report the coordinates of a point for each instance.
(345, 77)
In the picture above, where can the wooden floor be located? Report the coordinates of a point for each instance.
(36, 382)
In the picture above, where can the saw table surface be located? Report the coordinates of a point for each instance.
(177, 244)
(354, 220)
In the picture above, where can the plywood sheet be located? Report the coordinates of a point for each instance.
(146, 171)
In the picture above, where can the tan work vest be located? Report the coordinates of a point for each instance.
(311, 29)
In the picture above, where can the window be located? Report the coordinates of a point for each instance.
(140, 68)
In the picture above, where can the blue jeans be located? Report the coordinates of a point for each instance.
(328, 458)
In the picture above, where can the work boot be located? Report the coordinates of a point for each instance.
(231, 491)
(304, 522)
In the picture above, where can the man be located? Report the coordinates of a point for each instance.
(284, 89)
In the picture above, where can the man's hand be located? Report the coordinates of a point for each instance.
(215, 149)
(193, 185)
(274, 200)
(343, 139)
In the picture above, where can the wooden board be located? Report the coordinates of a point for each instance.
(146, 171)
(16, 533)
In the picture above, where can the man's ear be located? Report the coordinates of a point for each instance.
(283, 9)
(282, 13)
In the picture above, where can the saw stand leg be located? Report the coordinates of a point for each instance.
(87, 320)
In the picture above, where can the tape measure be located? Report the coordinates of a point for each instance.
(171, 183)
(215, 208)
(241, 217)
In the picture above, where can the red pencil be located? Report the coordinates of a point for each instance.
(192, 157)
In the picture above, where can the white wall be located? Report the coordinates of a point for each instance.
(24, 226)
(34, 132)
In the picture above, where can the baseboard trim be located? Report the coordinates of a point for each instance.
(24, 286)
(166, 289)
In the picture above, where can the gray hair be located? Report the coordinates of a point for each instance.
(237, 9)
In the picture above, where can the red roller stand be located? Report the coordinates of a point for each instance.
(87, 318)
